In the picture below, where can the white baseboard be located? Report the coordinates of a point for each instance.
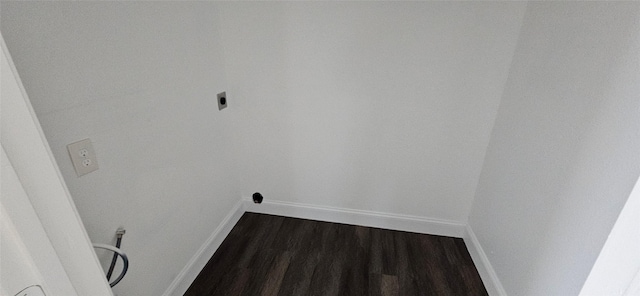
(189, 273)
(357, 217)
(487, 273)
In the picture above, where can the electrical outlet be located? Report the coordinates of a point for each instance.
(222, 100)
(83, 157)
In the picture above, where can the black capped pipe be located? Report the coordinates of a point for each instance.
(257, 197)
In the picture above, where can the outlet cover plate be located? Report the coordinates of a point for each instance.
(83, 157)
(222, 100)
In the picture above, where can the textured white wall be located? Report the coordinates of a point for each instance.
(370, 106)
(563, 155)
(140, 80)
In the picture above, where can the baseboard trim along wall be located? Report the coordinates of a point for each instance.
(357, 217)
(189, 273)
(487, 273)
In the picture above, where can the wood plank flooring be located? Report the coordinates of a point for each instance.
(273, 255)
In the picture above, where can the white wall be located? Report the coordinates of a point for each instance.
(370, 106)
(563, 155)
(619, 261)
(39, 205)
(140, 80)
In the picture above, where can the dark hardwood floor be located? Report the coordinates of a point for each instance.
(273, 255)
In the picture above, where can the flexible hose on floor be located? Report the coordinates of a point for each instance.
(119, 252)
